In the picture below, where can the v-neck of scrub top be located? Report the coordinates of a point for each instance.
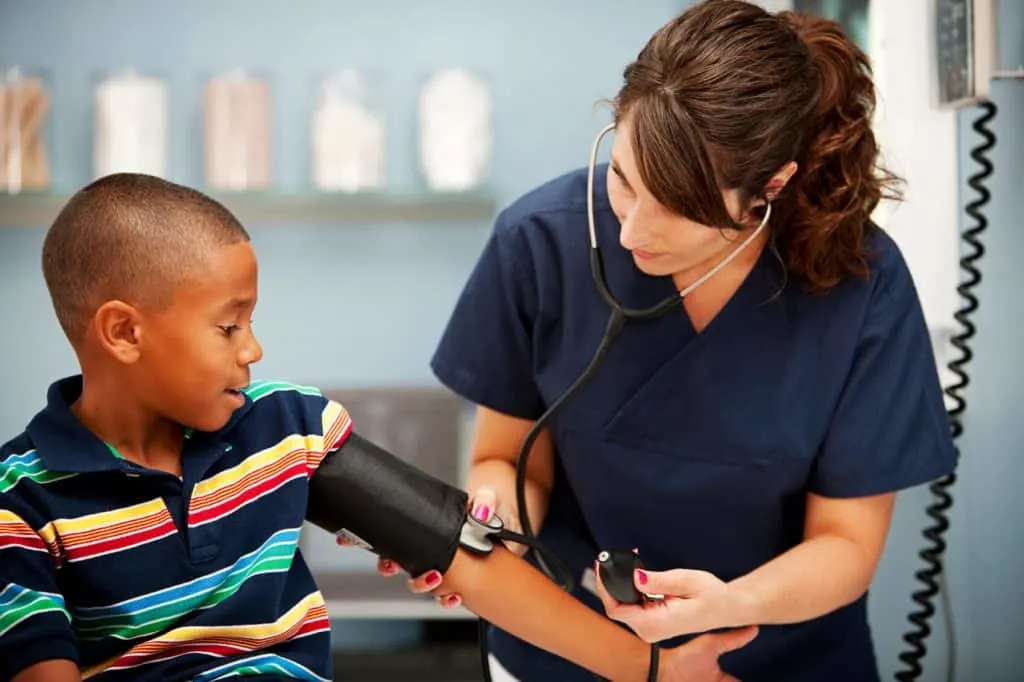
(647, 352)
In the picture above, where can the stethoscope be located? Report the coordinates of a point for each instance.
(618, 316)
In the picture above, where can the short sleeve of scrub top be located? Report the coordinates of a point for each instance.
(890, 429)
(486, 353)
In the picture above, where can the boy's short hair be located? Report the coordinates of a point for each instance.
(130, 237)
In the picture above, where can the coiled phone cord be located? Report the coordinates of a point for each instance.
(932, 575)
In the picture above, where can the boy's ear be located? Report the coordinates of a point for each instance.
(118, 330)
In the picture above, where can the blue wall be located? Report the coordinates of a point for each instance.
(548, 68)
(987, 537)
(549, 64)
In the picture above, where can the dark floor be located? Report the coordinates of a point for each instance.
(437, 663)
(449, 653)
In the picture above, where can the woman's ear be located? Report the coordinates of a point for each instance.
(775, 185)
(780, 180)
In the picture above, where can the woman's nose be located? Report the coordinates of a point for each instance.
(631, 235)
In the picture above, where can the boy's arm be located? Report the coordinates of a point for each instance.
(36, 639)
(421, 522)
(50, 671)
(505, 590)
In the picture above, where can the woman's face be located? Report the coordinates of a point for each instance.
(662, 243)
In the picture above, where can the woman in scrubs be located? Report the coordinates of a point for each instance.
(749, 443)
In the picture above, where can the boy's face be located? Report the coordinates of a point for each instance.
(194, 356)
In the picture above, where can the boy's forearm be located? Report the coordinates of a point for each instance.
(507, 591)
(50, 671)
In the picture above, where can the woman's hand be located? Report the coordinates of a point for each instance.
(428, 582)
(694, 601)
(483, 505)
(697, 660)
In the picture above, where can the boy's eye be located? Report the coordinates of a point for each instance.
(229, 329)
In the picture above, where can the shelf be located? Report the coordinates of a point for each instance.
(35, 210)
(369, 596)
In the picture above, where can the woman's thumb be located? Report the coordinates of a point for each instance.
(733, 639)
(484, 502)
(675, 583)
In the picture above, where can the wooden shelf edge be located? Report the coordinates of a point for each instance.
(357, 595)
(289, 210)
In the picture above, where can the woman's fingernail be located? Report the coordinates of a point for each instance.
(387, 565)
(482, 513)
(641, 577)
(433, 578)
(454, 600)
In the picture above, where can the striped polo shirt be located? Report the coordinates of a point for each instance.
(136, 574)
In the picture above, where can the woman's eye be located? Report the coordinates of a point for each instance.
(229, 329)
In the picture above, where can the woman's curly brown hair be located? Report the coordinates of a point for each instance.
(725, 95)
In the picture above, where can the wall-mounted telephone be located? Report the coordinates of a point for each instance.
(965, 44)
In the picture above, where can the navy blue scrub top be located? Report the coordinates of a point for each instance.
(699, 448)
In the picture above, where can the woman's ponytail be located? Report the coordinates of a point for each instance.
(826, 216)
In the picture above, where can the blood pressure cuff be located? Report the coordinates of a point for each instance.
(390, 507)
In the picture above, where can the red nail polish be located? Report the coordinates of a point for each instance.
(433, 578)
(641, 577)
(482, 513)
(387, 565)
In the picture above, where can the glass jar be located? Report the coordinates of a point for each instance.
(455, 131)
(236, 132)
(348, 136)
(24, 115)
(130, 124)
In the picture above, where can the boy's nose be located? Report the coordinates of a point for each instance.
(252, 354)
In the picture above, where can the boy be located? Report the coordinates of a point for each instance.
(150, 514)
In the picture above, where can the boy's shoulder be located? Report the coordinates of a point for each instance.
(289, 409)
(282, 392)
(278, 400)
(15, 448)
(18, 460)
(25, 478)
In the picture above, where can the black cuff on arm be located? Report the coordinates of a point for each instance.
(400, 511)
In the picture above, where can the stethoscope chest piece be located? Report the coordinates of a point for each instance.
(478, 536)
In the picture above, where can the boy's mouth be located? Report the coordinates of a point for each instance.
(237, 397)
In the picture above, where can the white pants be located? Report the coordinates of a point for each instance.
(498, 672)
